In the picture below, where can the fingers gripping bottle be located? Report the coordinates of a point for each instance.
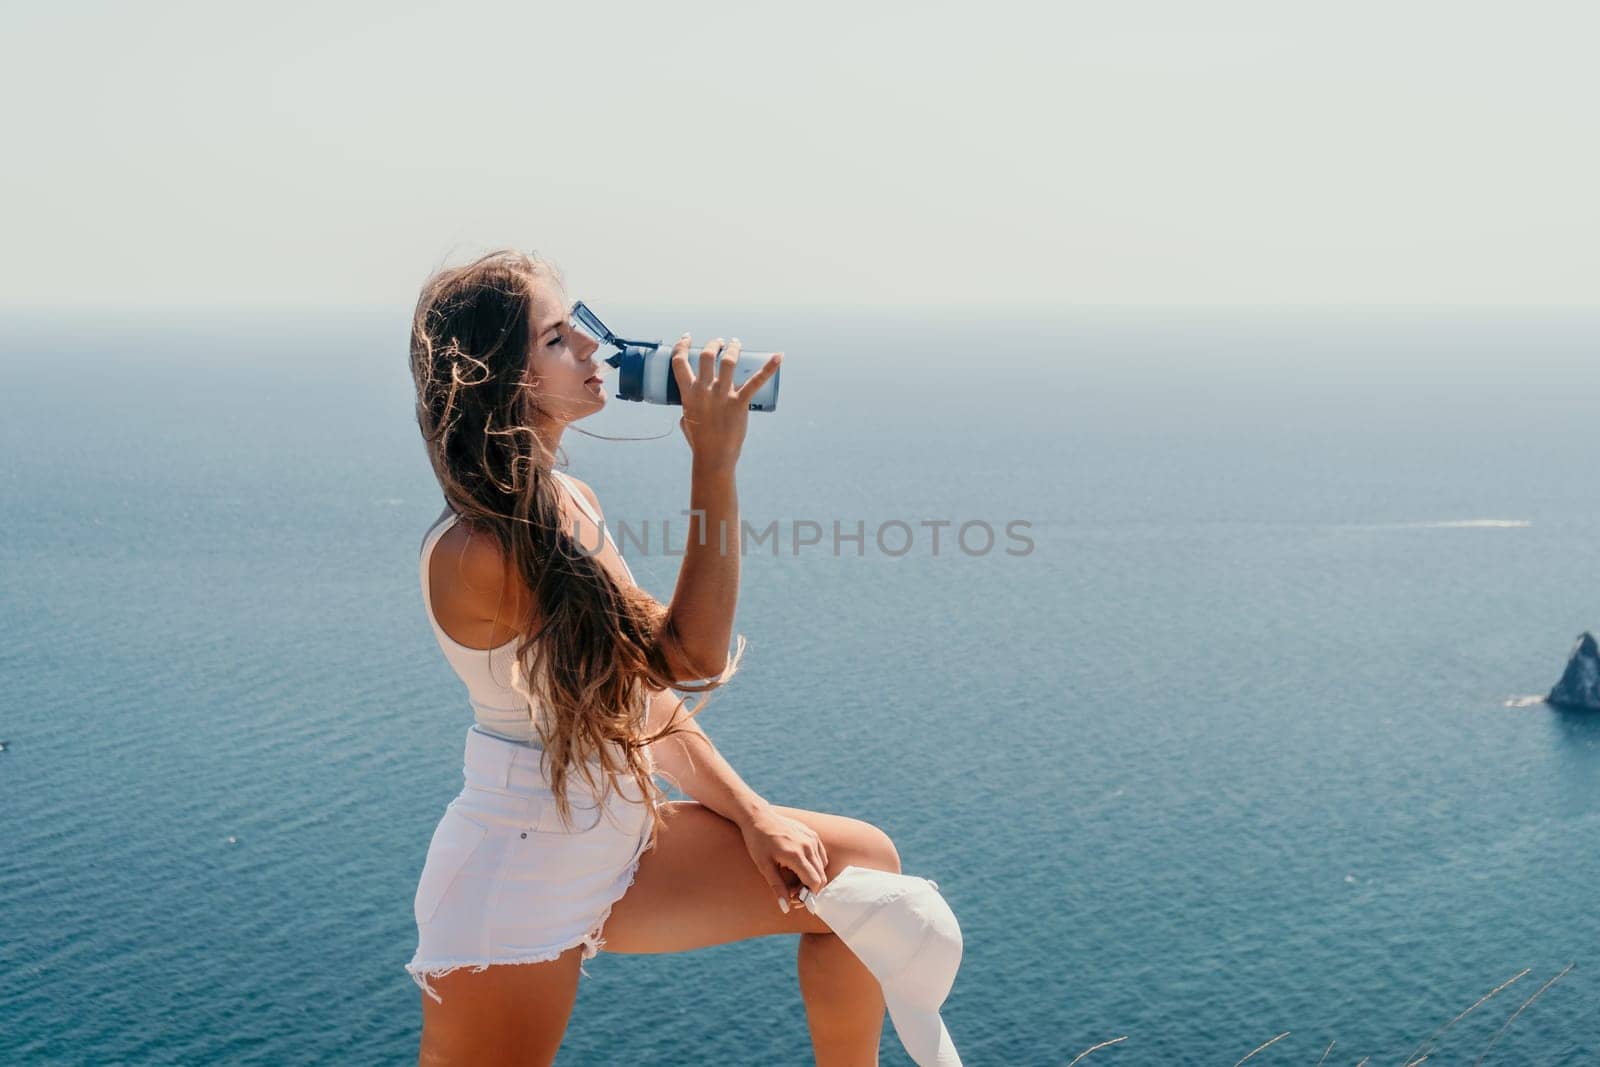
(644, 368)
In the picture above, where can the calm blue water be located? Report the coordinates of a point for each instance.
(1227, 755)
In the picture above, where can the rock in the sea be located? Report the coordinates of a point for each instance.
(1580, 682)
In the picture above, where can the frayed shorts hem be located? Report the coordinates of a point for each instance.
(591, 942)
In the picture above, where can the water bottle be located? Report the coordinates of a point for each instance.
(644, 373)
(644, 368)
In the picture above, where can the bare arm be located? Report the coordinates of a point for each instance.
(715, 415)
(700, 618)
(690, 758)
(699, 622)
(696, 767)
(780, 846)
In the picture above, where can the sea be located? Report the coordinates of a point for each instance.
(1194, 652)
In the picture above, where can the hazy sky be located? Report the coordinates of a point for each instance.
(948, 154)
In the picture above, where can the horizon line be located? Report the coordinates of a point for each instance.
(942, 310)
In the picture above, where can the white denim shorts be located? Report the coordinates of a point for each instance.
(505, 881)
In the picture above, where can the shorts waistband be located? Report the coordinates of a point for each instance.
(494, 762)
(477, 728)
(500, 764)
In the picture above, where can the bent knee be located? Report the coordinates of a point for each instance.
(888, 856)
(868, 846)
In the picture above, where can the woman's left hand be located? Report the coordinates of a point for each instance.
(783, 847)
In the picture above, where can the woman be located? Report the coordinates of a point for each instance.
(560, 841)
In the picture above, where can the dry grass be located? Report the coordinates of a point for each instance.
(1412, 1058)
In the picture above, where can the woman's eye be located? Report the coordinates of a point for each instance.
(554, 342)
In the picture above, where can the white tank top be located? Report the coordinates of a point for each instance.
(500, 707)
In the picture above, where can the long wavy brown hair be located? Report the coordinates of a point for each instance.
(590, 653)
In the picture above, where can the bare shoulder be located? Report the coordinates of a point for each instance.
(469, 557)
(473, 593)
(587, 492)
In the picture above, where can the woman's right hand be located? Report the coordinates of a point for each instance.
(715, 413)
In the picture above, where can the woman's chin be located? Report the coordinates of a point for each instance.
(595, 402)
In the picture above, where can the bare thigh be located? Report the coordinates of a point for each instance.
(509, 1013)
(698, 886)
